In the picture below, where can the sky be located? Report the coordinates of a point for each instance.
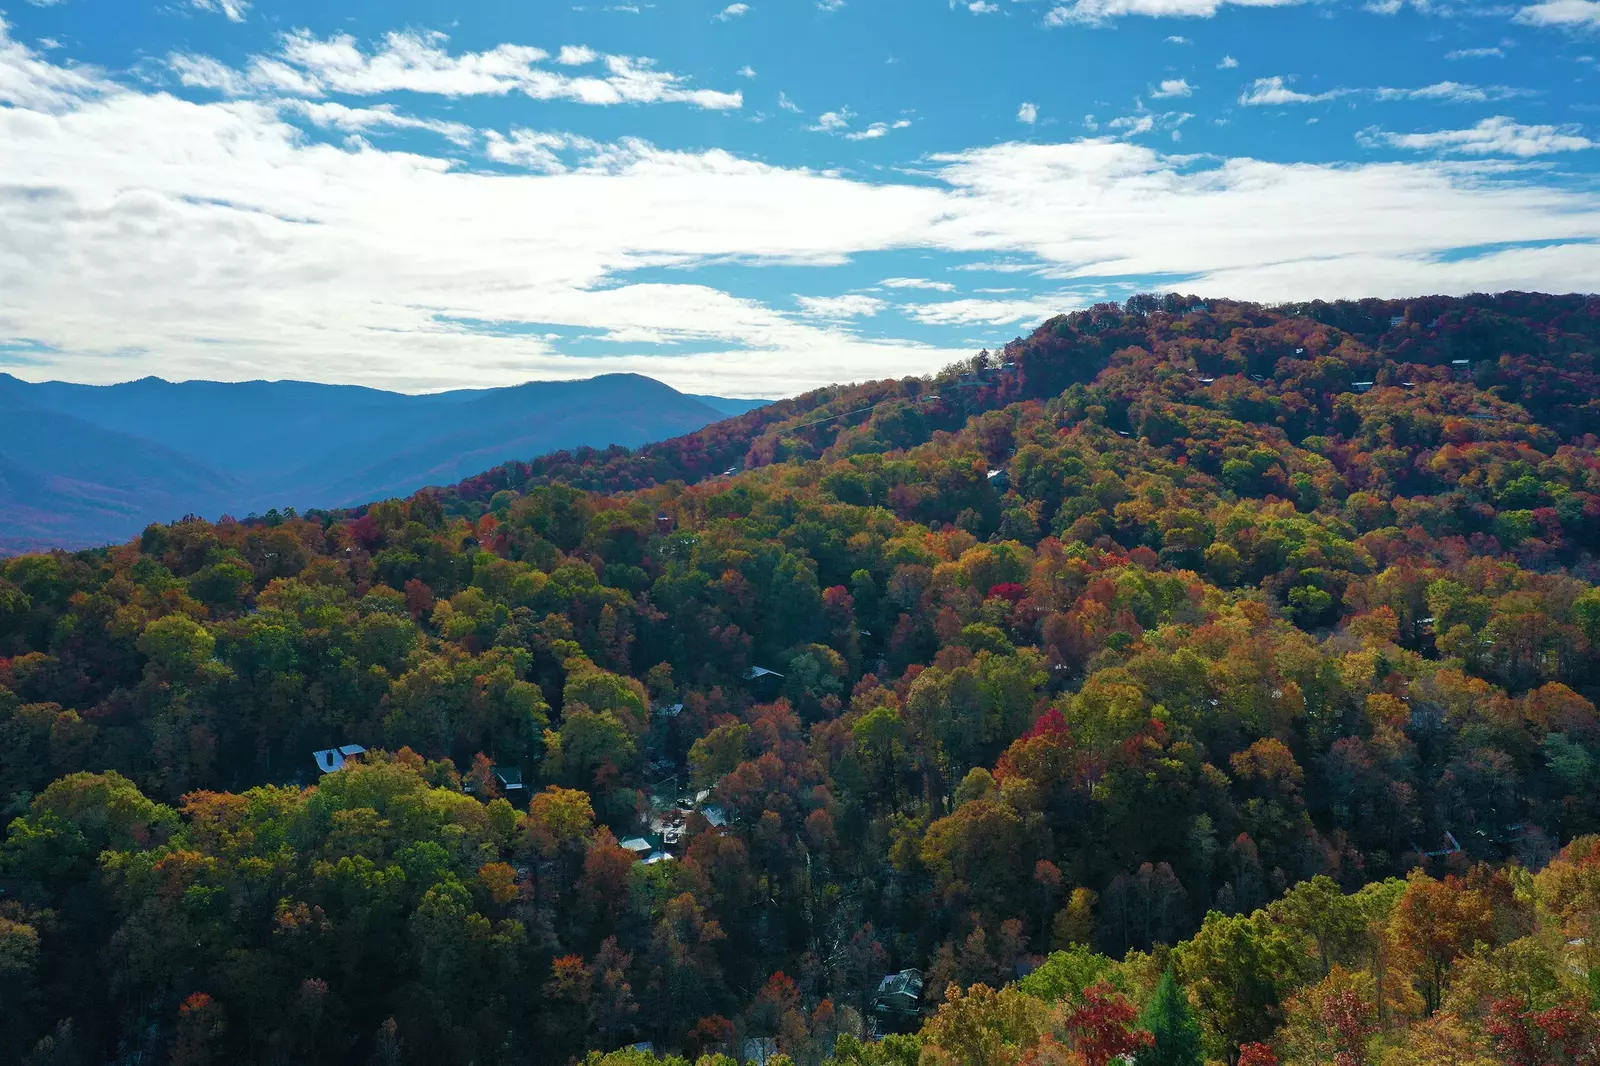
(752, 199)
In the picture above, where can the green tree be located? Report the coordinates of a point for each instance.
(1169, 1020)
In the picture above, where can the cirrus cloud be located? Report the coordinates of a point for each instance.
(1493, 136)
(409, 61)
(1099, 11)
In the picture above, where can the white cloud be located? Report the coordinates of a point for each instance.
(1493, 136)
(1028, 113)
(1176, 39)
(1274, 91)
(874, 131)
(1449, 92)
(746, 71)
(533, 149)
(306, 65)
(1094, 11)
(982, 7)
(917, 283)
(788, 104)
(1572, 13)
(830, 5)
(975, 312)
(29, 80)
(833, 121)
(848, 306)
(576, 55)
(1384, 7)
(1228, 63)
(1145, 121)
(226, 242)
(1475, 53)
(330, 115)
(1173, 87)
(232, 10)
(732, 11)
(1133, 125)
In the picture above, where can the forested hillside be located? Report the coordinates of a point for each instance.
(1196, 681)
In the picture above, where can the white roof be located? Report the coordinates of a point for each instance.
(638, 844)
(330, 760)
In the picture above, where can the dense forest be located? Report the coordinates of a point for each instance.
(1187, 681)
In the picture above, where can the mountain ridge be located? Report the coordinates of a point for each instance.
(211, 448)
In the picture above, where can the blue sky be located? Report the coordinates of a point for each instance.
(757, 198)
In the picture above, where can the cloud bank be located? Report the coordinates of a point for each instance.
(244, 236)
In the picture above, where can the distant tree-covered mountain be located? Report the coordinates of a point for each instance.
(85, 464)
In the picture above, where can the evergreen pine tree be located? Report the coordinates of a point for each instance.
(1168, 1017)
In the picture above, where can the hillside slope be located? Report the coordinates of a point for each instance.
(1228, 670)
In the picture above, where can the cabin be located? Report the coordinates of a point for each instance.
(1396, 321)
(755, 673)
(1000, 480)
(899, 996)
(332, 760)
(716, 815)
(1362, 386)
(664, 522)
(639, 846)
(510, 778)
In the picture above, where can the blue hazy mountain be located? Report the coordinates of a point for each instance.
(91, 464)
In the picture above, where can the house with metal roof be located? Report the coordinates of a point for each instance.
(899, 996)
(331, 760)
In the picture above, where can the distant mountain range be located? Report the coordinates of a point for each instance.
(94, 464)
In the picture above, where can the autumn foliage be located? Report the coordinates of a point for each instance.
(1189, 682)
